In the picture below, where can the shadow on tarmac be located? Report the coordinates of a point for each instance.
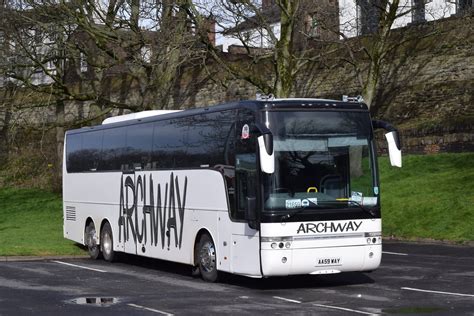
(287, 282)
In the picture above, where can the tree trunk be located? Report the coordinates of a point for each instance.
(59, 145)
(379, 49)
(370, 88)
(284, 73)
(135, 15)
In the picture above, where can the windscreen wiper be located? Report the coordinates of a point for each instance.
(297, 211)
(362, 207)
(290, 215)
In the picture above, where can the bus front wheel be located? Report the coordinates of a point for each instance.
(107, 243)
(207, 259)
(92, 247)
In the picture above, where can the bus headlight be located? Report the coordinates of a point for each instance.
(278, 242)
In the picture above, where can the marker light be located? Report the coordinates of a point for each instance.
(278, 242)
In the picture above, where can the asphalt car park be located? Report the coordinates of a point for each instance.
(413, 279)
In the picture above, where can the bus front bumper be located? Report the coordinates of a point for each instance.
(281, 262)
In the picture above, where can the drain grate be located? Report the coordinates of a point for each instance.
(95, 301)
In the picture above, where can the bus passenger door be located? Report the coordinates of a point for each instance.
(245, 240)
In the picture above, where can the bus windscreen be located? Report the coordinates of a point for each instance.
(323, 159)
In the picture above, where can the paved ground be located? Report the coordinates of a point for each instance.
(413, 279)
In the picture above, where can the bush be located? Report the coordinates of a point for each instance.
(31, 162)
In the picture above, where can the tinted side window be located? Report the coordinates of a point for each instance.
(139, 145)
(200, 141)
(91, 149)
(113, 149)
(208, 140)
(73, 153)
(169, 144)
(211, 142)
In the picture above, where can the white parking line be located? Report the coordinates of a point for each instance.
(344, 309)
(77, 266)
(287, 299)
(150, 309)
(436, 292)
(395, 253)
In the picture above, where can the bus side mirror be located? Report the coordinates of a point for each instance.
(251, 212)
(265, 150)
(394, 150)
(393, 140)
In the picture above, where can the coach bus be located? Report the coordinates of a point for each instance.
(258, 188)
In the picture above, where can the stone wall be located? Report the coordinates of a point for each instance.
(433, 140)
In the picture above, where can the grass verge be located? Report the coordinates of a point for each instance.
(431, 197)
(31, 224)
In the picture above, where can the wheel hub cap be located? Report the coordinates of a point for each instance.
(107, 243)
(208, 257)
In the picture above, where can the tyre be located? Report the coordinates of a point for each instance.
(107, 243)
(90, 241)
(207, 259)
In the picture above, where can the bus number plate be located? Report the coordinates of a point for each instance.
(328, 262)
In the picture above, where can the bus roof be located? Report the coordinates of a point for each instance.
(283, 104)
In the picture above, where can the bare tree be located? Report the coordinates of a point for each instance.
(91, 51)
(117, 54)
(147, 42)
(378, 41)
(272, 37)
(374, 44)
(280, 42)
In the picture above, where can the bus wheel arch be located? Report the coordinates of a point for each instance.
(205, 256)
(90, 237)
(107, 241)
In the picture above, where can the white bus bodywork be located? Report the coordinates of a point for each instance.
(237, 245)
(162, 214)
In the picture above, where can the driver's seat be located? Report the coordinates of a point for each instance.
(332, 185)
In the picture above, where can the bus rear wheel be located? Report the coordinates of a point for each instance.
(92, 247)
(107, 243)
(207, 259)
